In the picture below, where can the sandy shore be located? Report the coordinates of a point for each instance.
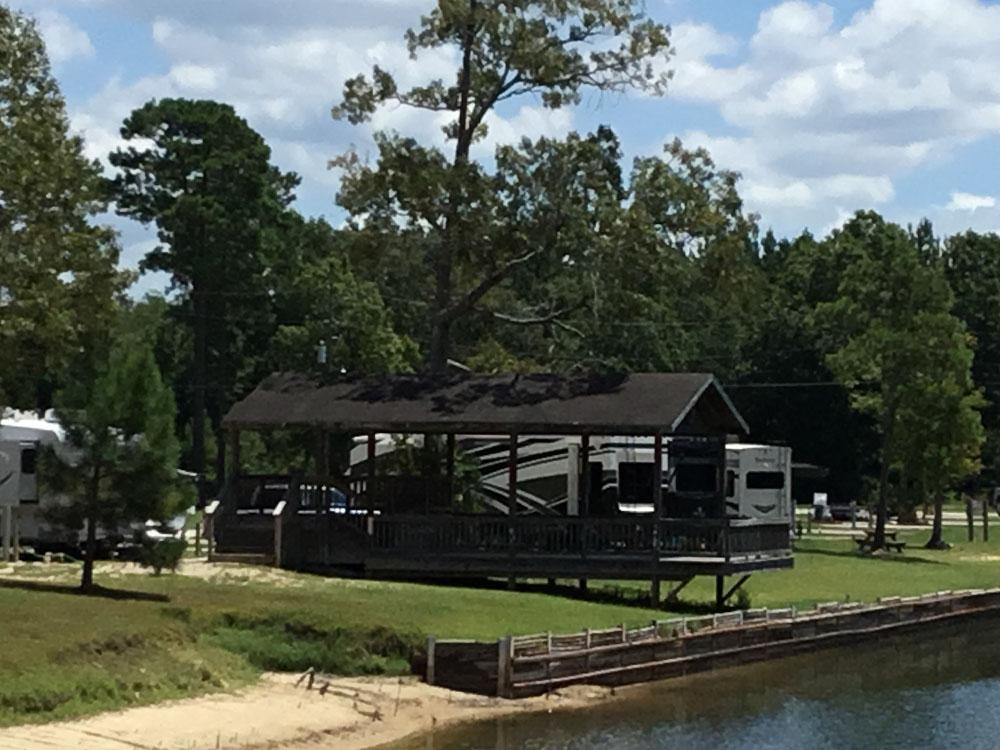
(351, 714)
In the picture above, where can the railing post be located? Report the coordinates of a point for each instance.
(279, 509)
(209, 521)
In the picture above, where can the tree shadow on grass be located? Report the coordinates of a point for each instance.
(98, 592)
(889, 558)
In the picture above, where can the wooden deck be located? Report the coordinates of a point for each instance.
(306, 533)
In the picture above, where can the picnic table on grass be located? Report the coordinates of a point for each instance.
(867, 542)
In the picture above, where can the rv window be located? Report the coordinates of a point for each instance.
(730, 483)
(29, 457)
(696, 478)
(765, 480)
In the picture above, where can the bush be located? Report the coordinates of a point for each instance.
(162, 553)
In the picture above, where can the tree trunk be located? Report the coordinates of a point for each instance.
(937, 541)
(90, 547)
(198, 396)
(882, 511)
(440, 348)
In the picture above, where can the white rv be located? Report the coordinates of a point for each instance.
(757, 477)
(22, 436)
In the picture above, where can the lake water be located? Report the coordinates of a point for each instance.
(937, 690)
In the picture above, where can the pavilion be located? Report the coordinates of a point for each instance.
(409, 527)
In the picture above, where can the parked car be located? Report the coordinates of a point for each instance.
(842, 512)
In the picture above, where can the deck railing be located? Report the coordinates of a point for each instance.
(588, 537)
(322, 521)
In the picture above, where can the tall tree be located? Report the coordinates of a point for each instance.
(514, 49)
(58, 271)
(892, 337)
(121, 427)
(203, 176)
(972, 264)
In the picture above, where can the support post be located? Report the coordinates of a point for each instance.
(654, 586)
(720, 598)
(323, 454)
(278, 515)
(504, 648)
(431, 649)
(970, 519)
(234, 454)
(986, 520)
(584, 502)
(450, 469)
(371, 472)
(5, 540)
(511, 502)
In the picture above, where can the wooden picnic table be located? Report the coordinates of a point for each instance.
(867, 542)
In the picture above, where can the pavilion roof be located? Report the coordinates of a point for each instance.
(597, 404)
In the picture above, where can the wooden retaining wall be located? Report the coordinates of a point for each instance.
(534, 665)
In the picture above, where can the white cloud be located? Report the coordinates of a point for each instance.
(970, 202)
(64, 40)
(827, 111)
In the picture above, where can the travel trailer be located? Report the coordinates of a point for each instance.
(22, 436)
(757, 477)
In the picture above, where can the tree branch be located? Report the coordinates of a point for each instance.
(479, 291)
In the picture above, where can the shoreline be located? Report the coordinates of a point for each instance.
(337, 714)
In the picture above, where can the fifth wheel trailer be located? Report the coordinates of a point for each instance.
(757, 478)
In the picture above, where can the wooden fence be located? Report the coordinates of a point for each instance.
(536, 664)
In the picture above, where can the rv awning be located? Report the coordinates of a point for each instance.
(637, 404)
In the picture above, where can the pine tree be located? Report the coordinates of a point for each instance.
(121, 427)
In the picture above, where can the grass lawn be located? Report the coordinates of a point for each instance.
(65, 655)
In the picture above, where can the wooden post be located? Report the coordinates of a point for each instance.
(234, 453)
(970, 519)
(504, 648)
(584, 501)
(720, 584)
(986, 520)
(585, 476)
(512, 477)
(323, 454)
(278, 514)
(371, 472)
(511, 502)
(654, 587)
(431, 648)
(450, 469)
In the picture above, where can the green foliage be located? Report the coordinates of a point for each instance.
(472, 225)
(203, 176)
(58, 271)
(280, 644)
(121, 426)
(902, 355)
(162, 554)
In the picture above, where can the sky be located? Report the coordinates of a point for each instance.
(824, 108)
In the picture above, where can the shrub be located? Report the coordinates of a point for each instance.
(162, 553)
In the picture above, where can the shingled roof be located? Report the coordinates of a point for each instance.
(637, 404)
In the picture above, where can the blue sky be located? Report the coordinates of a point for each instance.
(825, 108)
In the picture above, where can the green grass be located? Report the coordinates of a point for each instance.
(64, 655)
